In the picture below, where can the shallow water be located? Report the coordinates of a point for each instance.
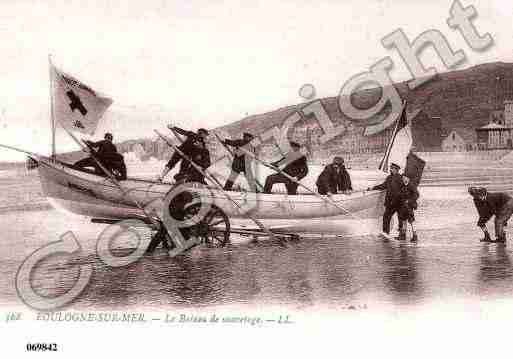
(448, 262)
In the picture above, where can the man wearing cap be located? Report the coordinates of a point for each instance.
(489, 204)
(334, 178)
(294, 164)
(189, 148)
(241, 163)
(393, 201)
(107, 153)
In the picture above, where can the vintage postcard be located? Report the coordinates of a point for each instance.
(250, 178)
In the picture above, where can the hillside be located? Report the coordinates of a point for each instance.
(462, 99)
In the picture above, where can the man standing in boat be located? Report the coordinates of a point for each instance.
(393, 200)
(241, 162)
(334, 178)
(295, 165)
(189, 148)
(497, 204)
(200, 155)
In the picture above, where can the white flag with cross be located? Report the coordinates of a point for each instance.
(76, 106)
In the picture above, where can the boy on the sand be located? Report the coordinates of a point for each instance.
(409, 196)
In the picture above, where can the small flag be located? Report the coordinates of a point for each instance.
(76, 106)
(400, 144)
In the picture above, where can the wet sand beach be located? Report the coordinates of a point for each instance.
(447, 263)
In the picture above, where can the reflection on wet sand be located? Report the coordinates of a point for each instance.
(495, 266)
(401, 276)
(157, 280)
(448, 261)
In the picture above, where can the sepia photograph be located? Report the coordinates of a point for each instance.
(256, 178)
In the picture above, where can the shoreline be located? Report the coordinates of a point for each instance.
(22, 189)
(42, 206)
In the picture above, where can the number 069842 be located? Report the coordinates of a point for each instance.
(41, 347)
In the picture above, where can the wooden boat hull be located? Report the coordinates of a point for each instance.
(95, 196)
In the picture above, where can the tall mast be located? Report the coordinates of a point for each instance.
(52, 117)
(391, 141)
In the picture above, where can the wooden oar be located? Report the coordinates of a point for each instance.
(111, 177)
(276, 169)
(180, 245)
(20, 150)
(279, 149)
(207, 174)
(233, 156)
(91, 152)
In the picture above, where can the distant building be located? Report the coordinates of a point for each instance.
(494, 136)
(508, 113)
(458, 140)
(498, 133)
(497, 117)
(426, 132)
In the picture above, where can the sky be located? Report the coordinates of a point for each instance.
(207, 63)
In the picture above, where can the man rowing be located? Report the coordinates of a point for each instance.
(241, 163)
(107, 154)
(334, 178)
(490, 204)
(294, 164)
(191, 147)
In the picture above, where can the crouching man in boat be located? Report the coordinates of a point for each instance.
(334, 178)
(107, 153)
(188, 147)
(239, 159)
(294, 164)
(393, 198)
(489, 204)
(409, 197)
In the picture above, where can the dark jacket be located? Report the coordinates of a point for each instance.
(108, 155)
(297, 168)
(104, 148)
(334, 179)
(188, 146)
(409, 195)
(393, 185)
(191, 138)
(201, 157)
(239, 162)
(492, 205)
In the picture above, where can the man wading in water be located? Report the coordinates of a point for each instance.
(393, 202)
(489, 204)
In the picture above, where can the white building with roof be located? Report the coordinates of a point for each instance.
(495, 136)
(498, 133)
(458, 140)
